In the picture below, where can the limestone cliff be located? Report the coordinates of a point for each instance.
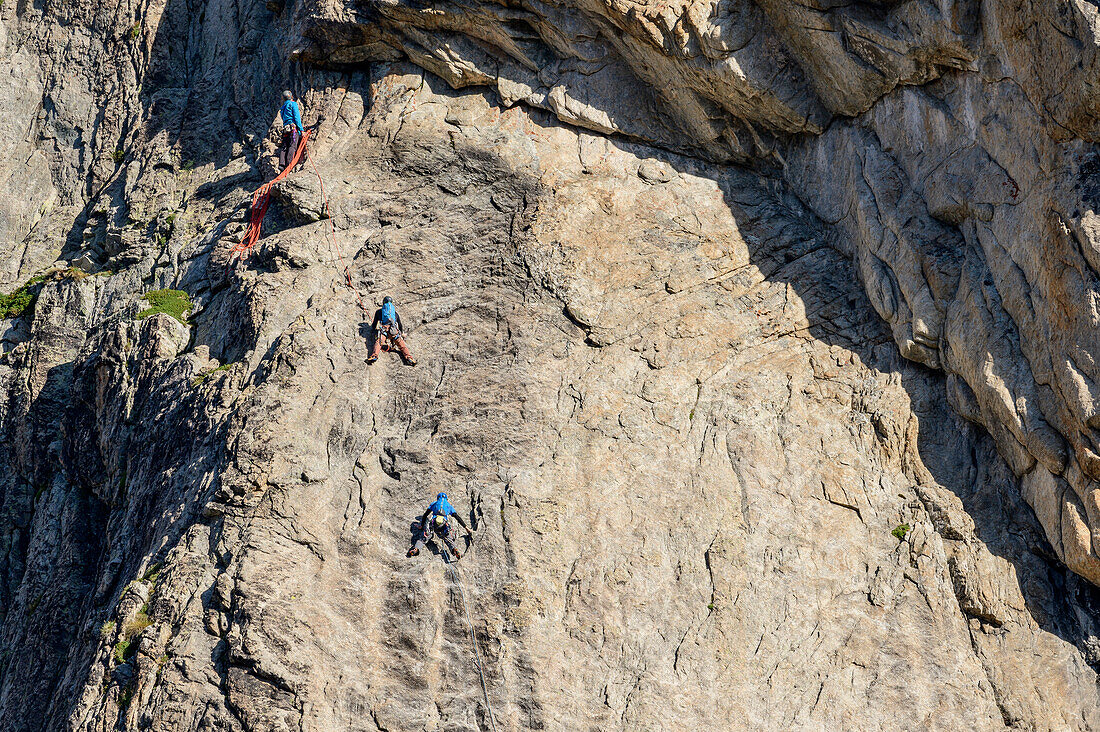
(756, 342)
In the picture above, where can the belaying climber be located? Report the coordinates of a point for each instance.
(387, 331)
(436, 521)
(291, 115)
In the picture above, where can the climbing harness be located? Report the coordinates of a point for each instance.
(473, 639)
(389, 338)
(440, 526)
(434, 526)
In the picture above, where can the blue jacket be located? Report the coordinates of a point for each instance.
(292, 115)
(442, 507)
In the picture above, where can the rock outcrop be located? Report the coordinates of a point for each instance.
(703, 296)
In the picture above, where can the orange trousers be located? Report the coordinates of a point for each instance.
(387, 332)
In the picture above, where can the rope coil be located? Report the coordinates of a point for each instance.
(262, 197)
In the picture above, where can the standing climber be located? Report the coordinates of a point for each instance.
(437, 521)
(387, 331)
(291, 115)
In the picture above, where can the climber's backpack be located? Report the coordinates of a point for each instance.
(389, 314)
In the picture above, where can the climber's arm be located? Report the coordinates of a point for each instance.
(461, 523)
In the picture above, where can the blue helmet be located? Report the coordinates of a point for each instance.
(442, 496)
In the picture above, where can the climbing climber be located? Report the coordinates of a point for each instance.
(387, 333)
(291, 115)
(436, 521)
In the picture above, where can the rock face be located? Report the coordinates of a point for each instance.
(709, 301)
(949, 146)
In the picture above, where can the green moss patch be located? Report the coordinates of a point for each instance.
(15, 304)
(900, 531)
(122, 651)
(201, 378)
(176, 303)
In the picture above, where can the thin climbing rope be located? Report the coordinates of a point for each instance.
(259, 207)
(332, 231)
(473, 638)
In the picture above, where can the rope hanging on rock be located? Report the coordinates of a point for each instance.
(262, 197)
(332, 232)
(473, 639)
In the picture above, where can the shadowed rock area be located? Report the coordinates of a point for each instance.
(749, 337)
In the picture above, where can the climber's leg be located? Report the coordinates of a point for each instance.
(421, 540)
(404, 350)
(305, 150)
(376, 347)
(292, 145)
(284, 145)
(450, 545)
(416, 547)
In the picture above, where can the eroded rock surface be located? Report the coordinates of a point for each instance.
(692, 288)
(949, 146)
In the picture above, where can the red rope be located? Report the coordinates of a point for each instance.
(332, 231)
(262, 197)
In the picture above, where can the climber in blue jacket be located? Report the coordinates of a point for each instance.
(387, 330)
(291, 116)
(291, 112)
(437, 520)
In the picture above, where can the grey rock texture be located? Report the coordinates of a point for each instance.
(949, 147)
(707, 300)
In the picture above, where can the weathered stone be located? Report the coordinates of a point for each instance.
(667, 390)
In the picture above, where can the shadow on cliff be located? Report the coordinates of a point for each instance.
(45, 582)
(789, 244)
(197, 108)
